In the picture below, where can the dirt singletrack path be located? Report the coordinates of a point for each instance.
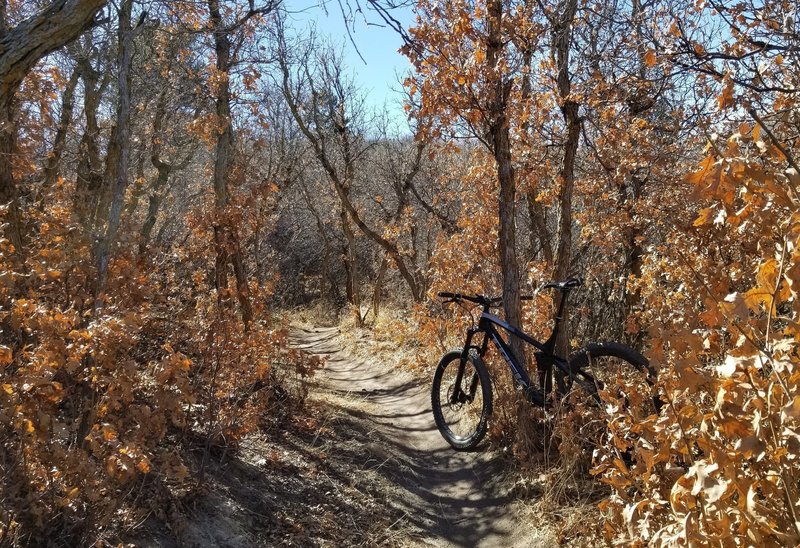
(444, 497)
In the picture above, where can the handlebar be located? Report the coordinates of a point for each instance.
(477, 299)
(483, 300)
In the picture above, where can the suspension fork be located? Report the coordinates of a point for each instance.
(458, 395)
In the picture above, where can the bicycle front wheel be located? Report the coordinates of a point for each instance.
(461, 399)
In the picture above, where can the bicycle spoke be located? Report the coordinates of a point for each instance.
(609, 380)
(622, 385)
(461, 407)
(462, 417)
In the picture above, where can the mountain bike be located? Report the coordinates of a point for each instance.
(462, 392)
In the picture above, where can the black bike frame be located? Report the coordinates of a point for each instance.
(545, 358)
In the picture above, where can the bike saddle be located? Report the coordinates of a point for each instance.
(566, 285)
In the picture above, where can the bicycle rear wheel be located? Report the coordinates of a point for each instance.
(615, 372)
(461, 409)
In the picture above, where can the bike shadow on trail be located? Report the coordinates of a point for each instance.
(384, 427)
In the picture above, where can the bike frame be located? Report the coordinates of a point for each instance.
(545, 357)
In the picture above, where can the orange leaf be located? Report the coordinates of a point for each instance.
(704, 217)
(726, 99)
(143, 466)
(791, 410)
(650, 58)
(6, 355)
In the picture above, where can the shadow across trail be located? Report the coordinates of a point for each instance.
(442, 497)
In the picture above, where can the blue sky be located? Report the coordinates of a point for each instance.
(376, 74)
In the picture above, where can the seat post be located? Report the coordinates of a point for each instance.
(559, 316)
(561, 305)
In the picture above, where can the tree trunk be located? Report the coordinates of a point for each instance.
(121, 149)
(378, 289)
(562, 42)
(21, 47)
(390, 247)
(635, 253)
(501, 147)
(226, 238)
(634, 262)
(51, 170)
(153, 205)
(351, 266)
(564, 252)
(539, 243)
(342, 178)
(164, 169)
(539, 240)
(323, 234)
(90, 182)
(8, 187)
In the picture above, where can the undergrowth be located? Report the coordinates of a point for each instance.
(101, 402)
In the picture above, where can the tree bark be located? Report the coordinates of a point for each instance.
(226, 238)
(51, 170)
(163, 169)
(90, 184)
(8, 187)
(22, 47)
(634, 260)
(121, 147)
(539, 240)
(153, 205)
(323, 234)
(635, 253)
(562, 42)
(501, 148)
(351, 265)
(378, 289)
(540, 237)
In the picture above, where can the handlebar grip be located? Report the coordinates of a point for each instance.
(447, 295)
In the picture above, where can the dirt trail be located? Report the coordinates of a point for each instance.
(442, 497)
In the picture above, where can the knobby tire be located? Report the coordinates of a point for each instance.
(462, 424)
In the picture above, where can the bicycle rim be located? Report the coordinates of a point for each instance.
(610, 380)
(461, 409)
